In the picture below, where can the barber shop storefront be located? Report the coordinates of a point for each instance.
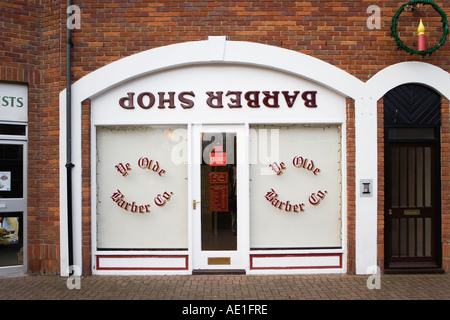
(218, 167)
(213, 163)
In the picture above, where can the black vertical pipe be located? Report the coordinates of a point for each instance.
(69, 164)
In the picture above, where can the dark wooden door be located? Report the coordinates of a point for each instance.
(412, 206)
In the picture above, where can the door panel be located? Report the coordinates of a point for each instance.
(217, 212)
(218, 187)
(413, 206)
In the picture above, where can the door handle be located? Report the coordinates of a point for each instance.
(390, 212)
(194, 204)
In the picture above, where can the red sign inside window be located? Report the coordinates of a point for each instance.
(218, 198)
(217, 157)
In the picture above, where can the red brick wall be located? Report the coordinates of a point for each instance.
(86, 185)
(445, 183)
(32, 51)
(351, 186)
(21, 52)
(333, 31)
(381, 184)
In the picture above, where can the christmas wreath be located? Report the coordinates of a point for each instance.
(414, 3)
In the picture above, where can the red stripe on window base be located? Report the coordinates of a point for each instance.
(253, 256)
(186, 257)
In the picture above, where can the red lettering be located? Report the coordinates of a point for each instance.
(272, 197)
(310, 99)
(300, 162)
(161, 200)
(117, 196)
(297, 162)
(151, 100)
(147, 100)
(217, 97)
(134, 207)
(235, 102)
(277, 168)
(123, 169)
(185, 102)
(290, 99)
(143, 163)
(288, 207)
(271, 99)
(170, 100)
(155, 167)
(315, 199)
(127, 102)
(252, 98)
(310, 166)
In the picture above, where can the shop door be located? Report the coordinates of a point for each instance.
(218, 198)
(412, 217)
(12, 206)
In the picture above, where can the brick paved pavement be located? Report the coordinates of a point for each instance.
(280, 297)
(228, 287)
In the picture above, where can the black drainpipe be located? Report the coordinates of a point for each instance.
(69, 164)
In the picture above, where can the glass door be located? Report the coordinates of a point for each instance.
(12, 206)
(219, 218)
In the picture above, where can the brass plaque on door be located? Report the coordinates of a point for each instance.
(411, 212)
(219, 260)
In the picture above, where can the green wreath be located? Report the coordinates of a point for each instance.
(400, 43)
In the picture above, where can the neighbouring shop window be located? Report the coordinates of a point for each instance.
(11, 171)
(142, 187)
(11, 242)
(295, 186)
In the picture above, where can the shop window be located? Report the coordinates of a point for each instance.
(11, 239)
(142, 187)
(295, 186)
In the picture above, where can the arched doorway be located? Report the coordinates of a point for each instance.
(412, 119)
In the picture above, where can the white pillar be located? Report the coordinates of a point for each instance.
(366, 169)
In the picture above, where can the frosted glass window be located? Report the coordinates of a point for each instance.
(142, 187)
(295, 186)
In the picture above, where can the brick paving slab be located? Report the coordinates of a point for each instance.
(230, 287)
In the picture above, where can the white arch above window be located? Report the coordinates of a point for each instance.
(409, 72)
(214, 50)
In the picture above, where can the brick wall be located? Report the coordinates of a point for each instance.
(333, 31)
(21, 52)
(381, 184)
(351, 187)
(445, 183)
(32, 51)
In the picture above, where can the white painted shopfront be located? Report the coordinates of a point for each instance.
(221, 155)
